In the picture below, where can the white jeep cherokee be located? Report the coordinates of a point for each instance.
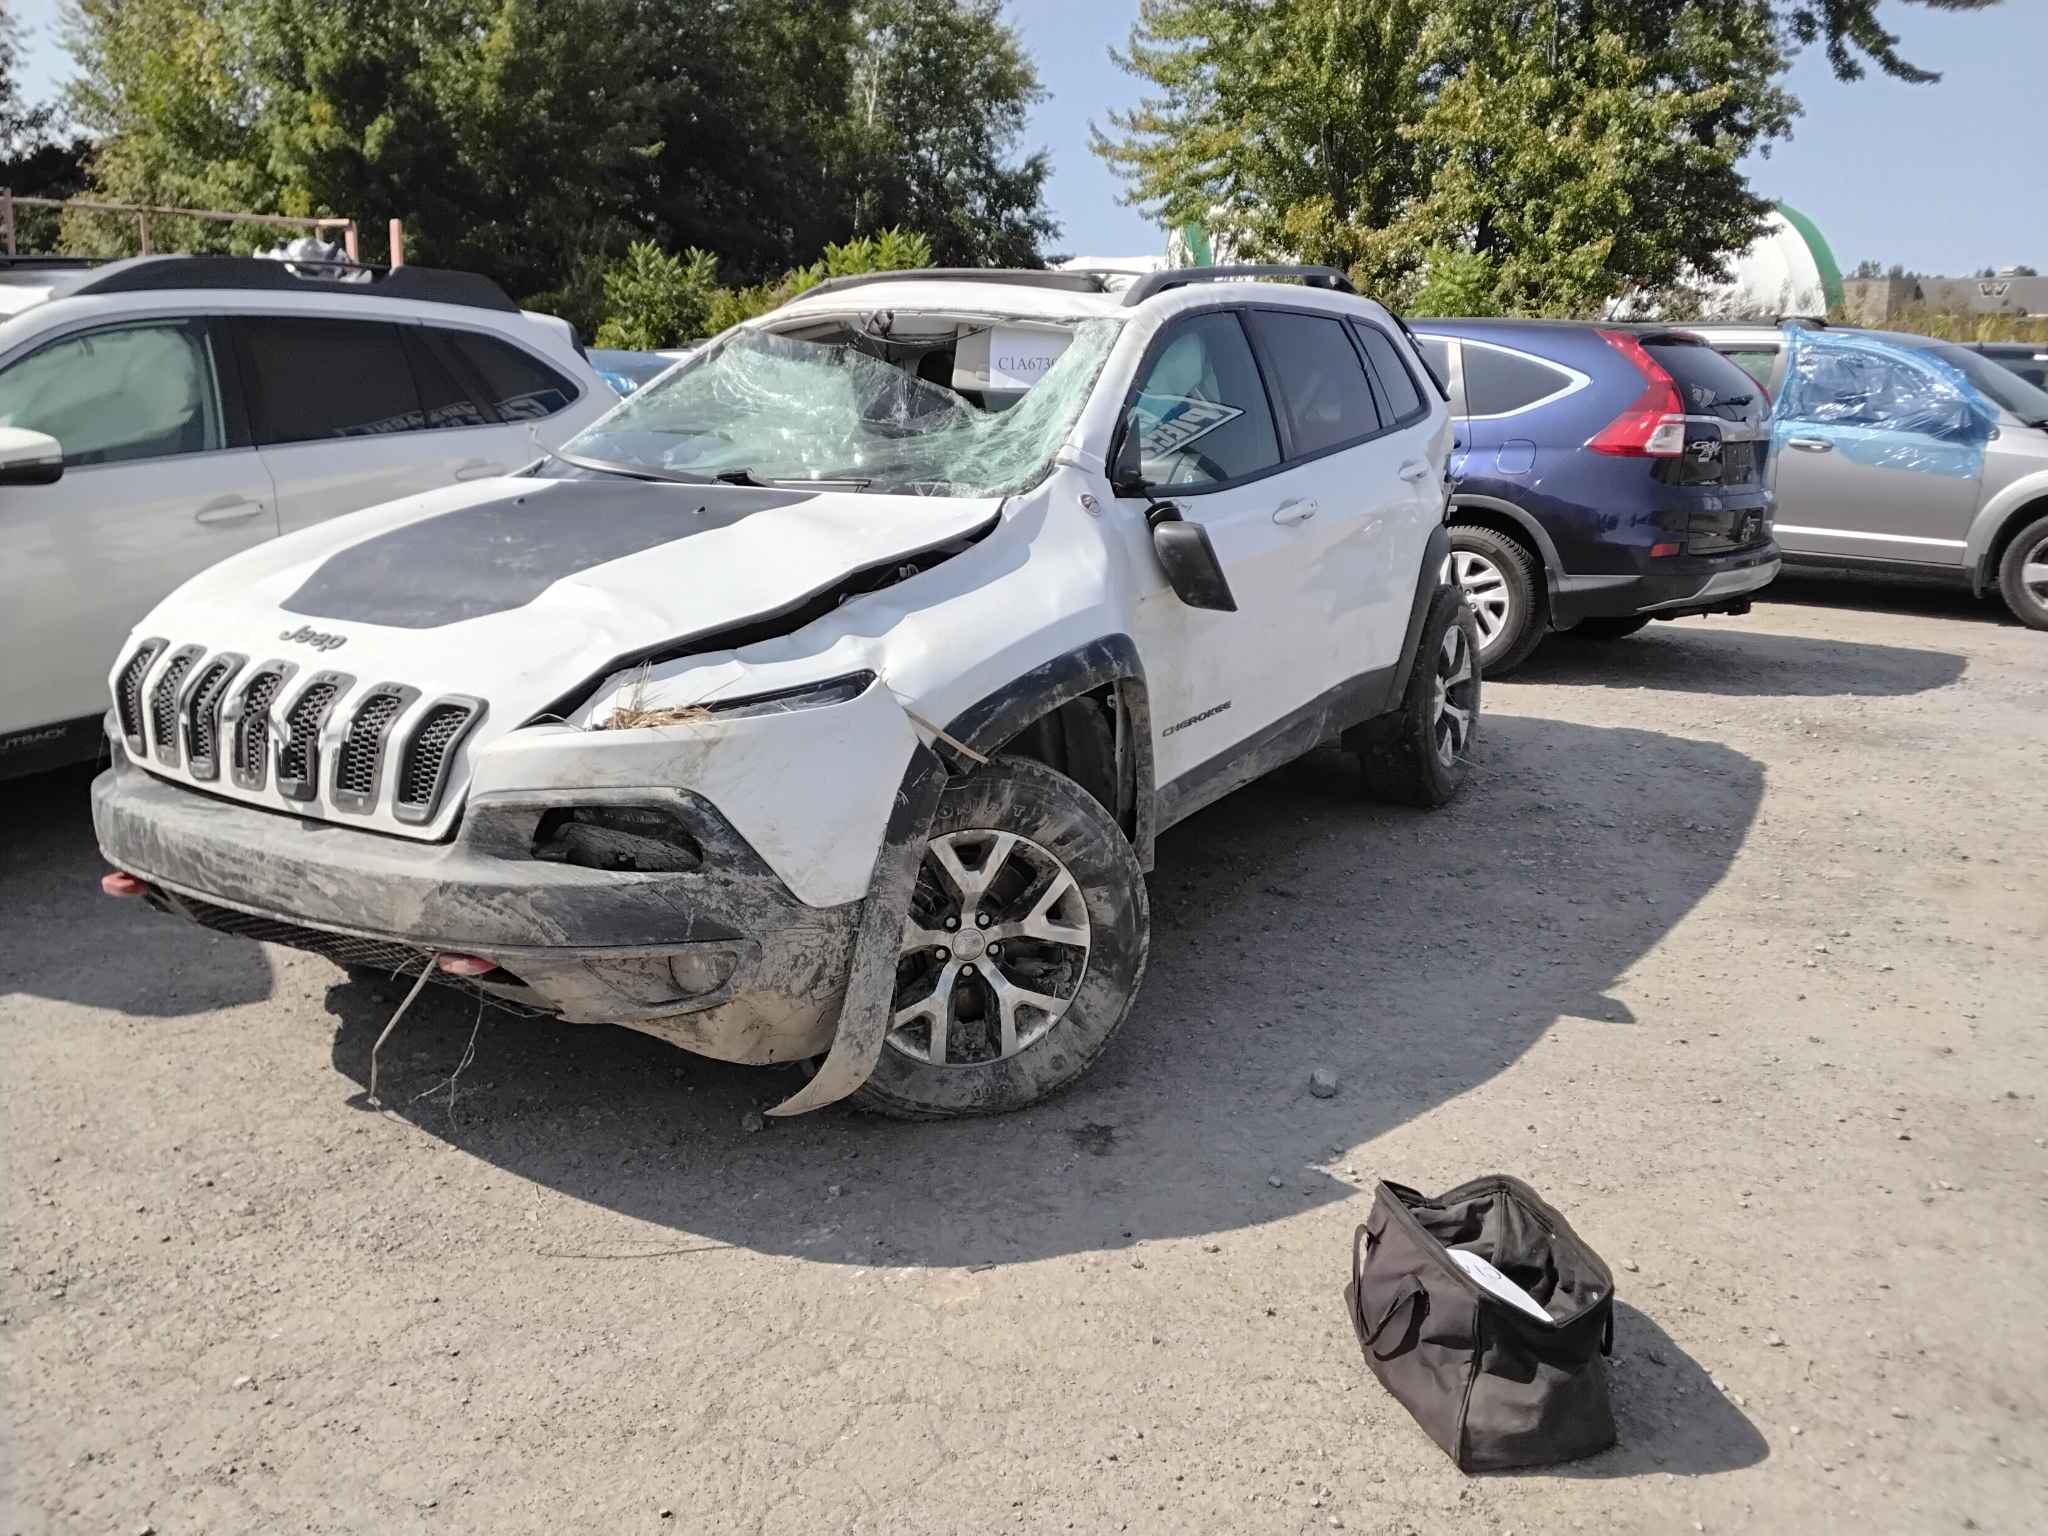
(825, 698)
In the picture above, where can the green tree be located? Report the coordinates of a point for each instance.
(37, 159)
(940, 93)
(1583, 148)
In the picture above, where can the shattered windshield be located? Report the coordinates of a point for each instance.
(859, 411)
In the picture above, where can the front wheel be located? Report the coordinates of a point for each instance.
(1420, 752)
(2023, 575)
(1022, 950)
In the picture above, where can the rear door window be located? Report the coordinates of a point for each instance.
(1499, 383)
(1397, 386)
(311, 380)
(1758, 362)
(517, 385)
(1322, 384)
(445, 401)
(1200, 416)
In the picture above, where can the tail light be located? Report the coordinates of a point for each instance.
(1653, 427)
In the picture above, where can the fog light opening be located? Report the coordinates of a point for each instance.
(697, 972)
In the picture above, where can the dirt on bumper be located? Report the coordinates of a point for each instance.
(723, 959)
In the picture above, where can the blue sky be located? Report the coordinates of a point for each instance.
(1946, 178)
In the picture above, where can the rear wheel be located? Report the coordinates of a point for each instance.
(2023, 575)
(1022, 950)
(1607, 629)
(1420, 753)
(1498, 577)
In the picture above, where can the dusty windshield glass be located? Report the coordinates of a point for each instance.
(764, 407)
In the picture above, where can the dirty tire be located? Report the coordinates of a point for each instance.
(2023, 575)
(1519, 629)
(1027, 798)
(1398, 751)
(1608, 629)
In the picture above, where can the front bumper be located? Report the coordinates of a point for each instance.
(1668, 589)
(723, 960)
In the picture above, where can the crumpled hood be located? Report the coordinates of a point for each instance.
(517, 591)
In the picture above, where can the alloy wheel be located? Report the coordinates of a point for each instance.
(1486, 588)
(1456, 696)
(2034, 571)
(993, 953)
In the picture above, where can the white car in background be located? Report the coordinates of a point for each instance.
(160, 414)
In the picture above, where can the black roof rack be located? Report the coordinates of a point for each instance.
(146, 274)
(1181, 277)
(1068, 279)
(48, 263)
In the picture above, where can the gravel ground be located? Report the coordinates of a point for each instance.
(1734, 948)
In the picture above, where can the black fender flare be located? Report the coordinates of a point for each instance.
(1545, 547)
(981, 728)
(1110, 661)
(1427, 580)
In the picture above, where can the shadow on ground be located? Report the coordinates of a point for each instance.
(1295, 925)
(1930, 597)
(1705, 656)
(61, 938)
(1670, 1415)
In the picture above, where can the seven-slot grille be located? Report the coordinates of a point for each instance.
(202, 715)
(424, 767)
(214, 714)
(128, 693)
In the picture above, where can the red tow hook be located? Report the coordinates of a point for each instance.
(464, 965)
(118, 882)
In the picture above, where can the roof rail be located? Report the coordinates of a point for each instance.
(1181, 277)
(145, 274)
(49, 263)
(1804, 322)
(1071, 280)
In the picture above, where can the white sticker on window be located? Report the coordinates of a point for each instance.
(1168, 423)
(1019, 359)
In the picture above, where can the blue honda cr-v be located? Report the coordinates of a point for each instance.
(1603, 476)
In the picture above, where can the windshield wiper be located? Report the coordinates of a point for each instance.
(812, 482)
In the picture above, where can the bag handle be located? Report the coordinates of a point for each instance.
(1607, 1331)
(1415, 1293)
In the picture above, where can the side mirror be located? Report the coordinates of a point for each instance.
(29, 458)
(1189, 559)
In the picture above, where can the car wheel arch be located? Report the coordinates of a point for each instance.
(1505, 518)
(2006, 527)
(1038, 715)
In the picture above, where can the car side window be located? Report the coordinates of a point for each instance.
(1436, 356)
(1201, 416)
(1321, 383)
(1498, 382)
(444, 400)
(1758, 362)
(1397, 385)
(311, 380)
(518, 385)
(120, 393)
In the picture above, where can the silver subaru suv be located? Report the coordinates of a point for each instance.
(1902, 453)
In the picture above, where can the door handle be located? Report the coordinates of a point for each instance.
(228, 509)
(1414, 470)
(1810, 444)
(477, 469)
(1296, 509)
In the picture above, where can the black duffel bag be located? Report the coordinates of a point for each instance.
(1492, 1383)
